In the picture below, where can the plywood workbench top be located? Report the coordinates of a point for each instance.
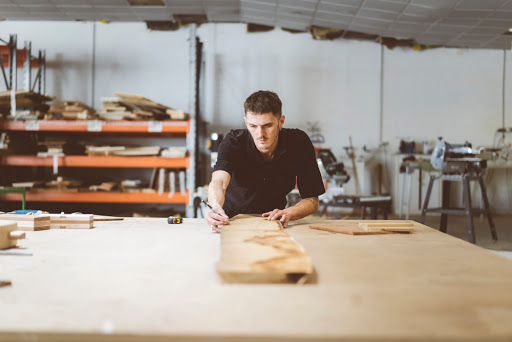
(142, 279)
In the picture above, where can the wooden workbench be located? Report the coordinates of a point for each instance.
(145, 280)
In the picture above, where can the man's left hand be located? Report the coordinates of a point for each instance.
(278, 214)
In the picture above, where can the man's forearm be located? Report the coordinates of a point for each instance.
(216, 194)
(304, 208)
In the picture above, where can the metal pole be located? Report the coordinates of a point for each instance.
(381, 114)
(93, 63)
(27, 67)
(43, 74)
(191, 137)
(14, 71)
(503, 89)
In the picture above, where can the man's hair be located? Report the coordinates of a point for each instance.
(263, 101)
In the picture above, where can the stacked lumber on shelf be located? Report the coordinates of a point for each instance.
(136, 107)
(28, 103)
(122, 150)
(70, 110)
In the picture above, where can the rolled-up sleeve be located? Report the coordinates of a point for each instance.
(229, 154)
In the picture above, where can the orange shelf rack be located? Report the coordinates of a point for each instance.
(98, 197)
(99, 126)
(21, 56)
(96, 161)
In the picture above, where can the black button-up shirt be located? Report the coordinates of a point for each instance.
(257, 186)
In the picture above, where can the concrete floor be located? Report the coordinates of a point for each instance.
(457, 228)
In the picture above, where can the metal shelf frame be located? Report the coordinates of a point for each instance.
(10, 49)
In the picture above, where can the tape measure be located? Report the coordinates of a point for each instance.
(174, 220)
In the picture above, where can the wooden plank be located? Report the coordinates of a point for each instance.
(256, 250)
(392, 226)
(29, 222)
(107, 218)
(350, 229)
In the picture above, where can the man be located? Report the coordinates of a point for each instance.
(257, 167)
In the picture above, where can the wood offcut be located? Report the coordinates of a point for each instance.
(256, 250)
(367, 227)
(9, 235)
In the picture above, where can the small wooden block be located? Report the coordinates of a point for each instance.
(392, 226)
(29, 222)
(71, 221)
(347, 229)
(8, 228)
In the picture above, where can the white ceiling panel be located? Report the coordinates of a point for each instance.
(376, 14)
(353, 3)
(479, 4)
(436, 4)
(106, 3)
(475, 23)
(384, 5)
(29, 2)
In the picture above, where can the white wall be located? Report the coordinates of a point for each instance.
(454, 93)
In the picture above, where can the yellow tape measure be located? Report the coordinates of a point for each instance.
(174, 220)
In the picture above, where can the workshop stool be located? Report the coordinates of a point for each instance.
(468, 210)
(408, 169)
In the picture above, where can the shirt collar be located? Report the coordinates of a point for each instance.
(281, 148)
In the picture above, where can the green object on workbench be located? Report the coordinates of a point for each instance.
(5, 190)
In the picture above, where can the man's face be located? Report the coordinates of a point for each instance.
(264, 129)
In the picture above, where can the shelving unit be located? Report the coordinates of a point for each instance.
(13, 58)
(98, 197)
(180, 128)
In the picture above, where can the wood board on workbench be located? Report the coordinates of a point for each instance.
(256, 250)
(367, 227)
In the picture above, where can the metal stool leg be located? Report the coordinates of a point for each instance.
(487, 208)
(409, 180)
(373, 213)
(401, 197)
(469, 209)
(445, 205)
(427, 198)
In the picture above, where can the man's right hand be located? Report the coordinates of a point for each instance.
(215, 221)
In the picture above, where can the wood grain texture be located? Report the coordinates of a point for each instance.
(347, 228)
(399, 226)
(256, 250)
(71, 221)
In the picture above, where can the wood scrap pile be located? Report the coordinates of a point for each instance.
(122, 186)
(136, 107)
(28, 104)
(70, 110)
